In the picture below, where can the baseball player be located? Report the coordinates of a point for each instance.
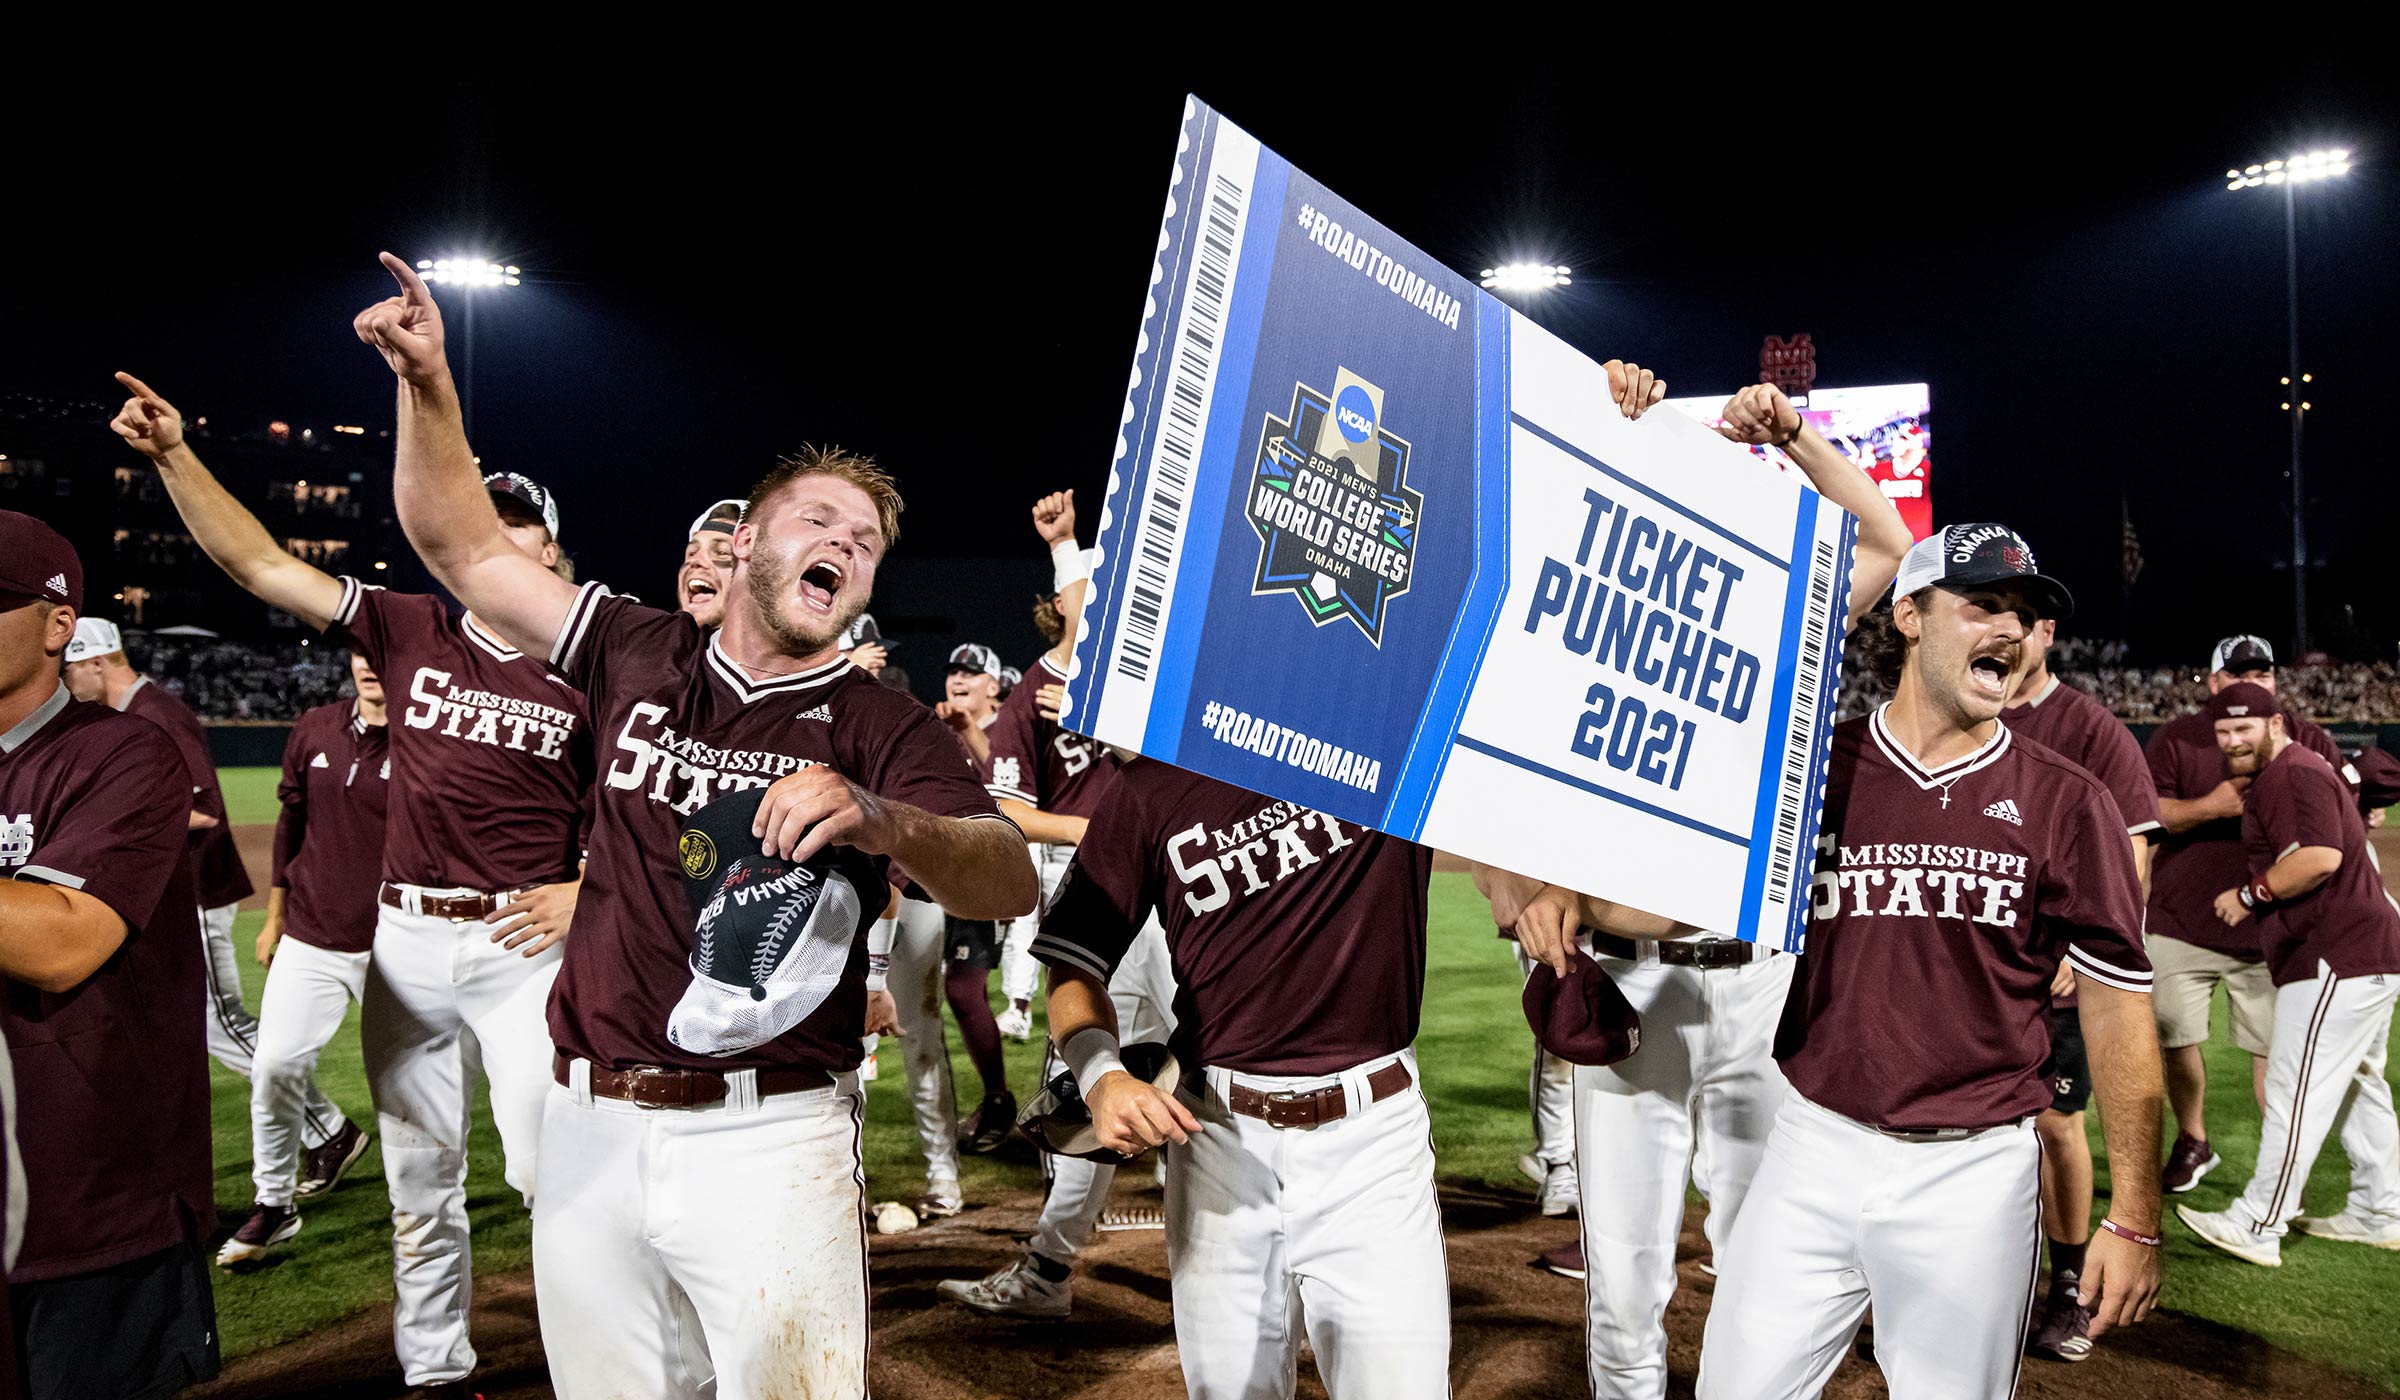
(1046, 779)
(490, 761)
(698, 1224)
(1051, 783)
(1300, 1186)
(319, 931)
(2200, 856)
(2086, 733)
(1957, 865)
(97, 671)
(707, 564)
(100, 1006)
(970, 947)
(1697, 1101)
(2334, 953)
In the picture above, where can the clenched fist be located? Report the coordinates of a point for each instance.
(1761, 416)
(406, 329)
(1054, 517)
(147, 421)
(1634, 389)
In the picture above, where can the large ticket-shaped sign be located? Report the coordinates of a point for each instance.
(1380, 546)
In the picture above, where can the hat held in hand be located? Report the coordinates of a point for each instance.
(1582, 1018)
(771, 937)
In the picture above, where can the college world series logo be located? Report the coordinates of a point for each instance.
(1336, 522)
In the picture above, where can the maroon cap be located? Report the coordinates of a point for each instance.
(1582, 1018)
(2242, 700)
(37, 562)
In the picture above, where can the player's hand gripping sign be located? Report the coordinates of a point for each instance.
(1376, 544)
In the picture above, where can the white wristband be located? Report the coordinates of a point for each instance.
(1090, 1053)
(1068, 565)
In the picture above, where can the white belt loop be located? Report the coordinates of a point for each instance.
(579, 1082)
(412, 900)
(1220, 1083)
(741, 1091)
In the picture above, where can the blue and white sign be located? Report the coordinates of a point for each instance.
(1377, 544)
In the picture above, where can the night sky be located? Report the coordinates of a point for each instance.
(945, 265)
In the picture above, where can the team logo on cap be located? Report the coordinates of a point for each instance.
(1330, 503)
(56, 583)
(699, 854)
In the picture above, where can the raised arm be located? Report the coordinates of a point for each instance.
(229, 534)
(1054, 521)
(440, 496)
(1760, 414)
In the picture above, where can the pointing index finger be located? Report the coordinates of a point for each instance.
(140, 390)
(412, 287)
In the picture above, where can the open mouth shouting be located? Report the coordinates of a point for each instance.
(699, 589)
(1988, 673)
(819, 583)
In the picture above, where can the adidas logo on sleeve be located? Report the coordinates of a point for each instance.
(319, 762)
(2006, 810)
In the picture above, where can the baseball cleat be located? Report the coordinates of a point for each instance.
(1017, 1023)
(2063, 1331)
(1133, 1218)
(991, 1124)
(2352, 1229)
(267, 1227)
(1566, 1260)
(1560, 1194)
(1016, 1291)
(2190, 1161)
(941, 1198)
(2218, 1227)
(323, 1168)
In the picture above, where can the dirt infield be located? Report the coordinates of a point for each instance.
(1517, 1332)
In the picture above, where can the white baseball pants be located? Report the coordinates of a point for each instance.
(1143, 991)
(309, 989)
(1334, 1229)
(1551, 1092)
(1020, 971)
(715, 1251)
(915, 980)
(2325, 1072)
(233, 1031)
(442, 1001)
(1944, 1238)
(1695, 1102)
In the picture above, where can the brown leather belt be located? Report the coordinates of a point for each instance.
(1683, 952)
(453, 906)
(650, 1086)
(1308, 1108)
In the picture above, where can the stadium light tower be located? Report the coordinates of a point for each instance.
(469, 275)
(2289, 174)
(1526, 277)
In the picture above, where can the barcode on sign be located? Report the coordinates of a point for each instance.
(1799, 745)
(1158, 528)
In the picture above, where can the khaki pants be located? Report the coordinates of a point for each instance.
(2183, 976)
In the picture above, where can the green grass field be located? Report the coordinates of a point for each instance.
(2336, 1303)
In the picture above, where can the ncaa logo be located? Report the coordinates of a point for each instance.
(1354, 414)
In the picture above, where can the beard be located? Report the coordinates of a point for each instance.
(768, 576)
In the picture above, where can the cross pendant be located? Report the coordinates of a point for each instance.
(1945, 799)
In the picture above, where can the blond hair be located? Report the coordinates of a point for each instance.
(857, 469)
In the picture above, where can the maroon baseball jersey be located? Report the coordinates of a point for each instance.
(112, 1077)
(2189, 869)
(216, 862)
(1298, 941)
(682, 726)
(1041, 765)
(337, 770)
(491, 754)
(2349, 922)
(1943, 902)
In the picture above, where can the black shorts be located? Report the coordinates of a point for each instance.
(139, 1329)
(2068, 1073)
(975, 942)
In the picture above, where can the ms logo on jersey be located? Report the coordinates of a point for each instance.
(1336, 522)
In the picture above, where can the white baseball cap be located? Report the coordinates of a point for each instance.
(721, 518)
(2243, 653)
(974, 656)
(94, 636)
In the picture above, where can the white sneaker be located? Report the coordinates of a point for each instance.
(1561, 1194)
(2352, 1229)
(1017, 1023)
(1536, 1170)
(2218, 1227)
(942, 1198)
(1016, 1291)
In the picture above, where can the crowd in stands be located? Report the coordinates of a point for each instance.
(2329, 693)
(227, 681)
